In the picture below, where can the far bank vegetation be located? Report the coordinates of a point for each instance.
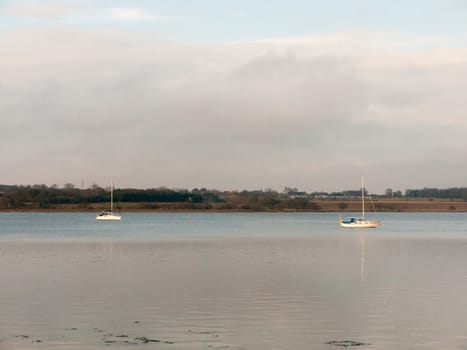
(71, 198)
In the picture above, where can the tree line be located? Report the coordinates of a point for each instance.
(42, 196)
(449, 193)
(48, 197)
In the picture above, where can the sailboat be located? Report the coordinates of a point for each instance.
(360, 222)
(109, 215)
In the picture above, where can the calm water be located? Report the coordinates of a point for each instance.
(232, 281)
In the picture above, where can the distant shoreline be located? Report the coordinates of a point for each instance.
(321, 206)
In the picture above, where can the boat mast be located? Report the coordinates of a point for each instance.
(363, 201)
(111, 196)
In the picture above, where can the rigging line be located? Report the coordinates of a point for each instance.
(373, 205)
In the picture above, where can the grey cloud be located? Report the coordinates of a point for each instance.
(92, 105)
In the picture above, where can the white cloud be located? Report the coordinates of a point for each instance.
(85, 13)
(48, 10)
(130, 14)
(135, 14)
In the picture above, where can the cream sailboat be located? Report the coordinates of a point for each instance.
(109, 215)
(360, 222)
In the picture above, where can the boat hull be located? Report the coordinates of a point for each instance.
(360, 224)
(108, 217)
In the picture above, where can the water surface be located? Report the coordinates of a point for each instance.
(232, 281)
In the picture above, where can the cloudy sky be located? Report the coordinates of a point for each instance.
(234, 94)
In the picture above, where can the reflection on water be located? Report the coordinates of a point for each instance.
(362, 256)
(329, 289)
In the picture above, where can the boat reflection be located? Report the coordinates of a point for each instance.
(362, 256)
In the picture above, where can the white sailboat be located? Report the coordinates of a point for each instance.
(360, 222)
(109, 215)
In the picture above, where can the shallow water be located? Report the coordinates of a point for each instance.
(232, 281)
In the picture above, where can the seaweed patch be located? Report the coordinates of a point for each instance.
(346, 343)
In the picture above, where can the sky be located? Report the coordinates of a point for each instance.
(234, 95)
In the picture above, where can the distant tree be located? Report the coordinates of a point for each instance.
(353, 193)
(343, 205)
(270, 190)
(40, 187)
